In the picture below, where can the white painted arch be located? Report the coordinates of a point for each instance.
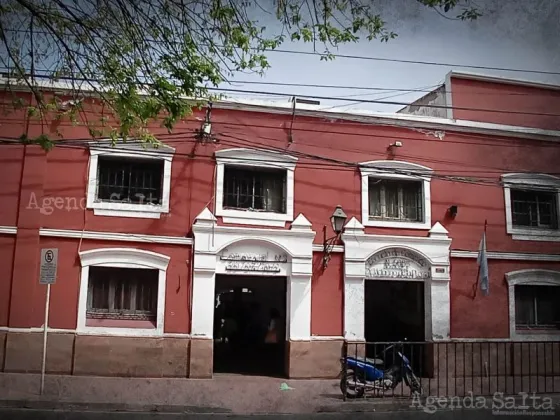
(434, 249)
(531, 277)
(213, 247)
(122, 258)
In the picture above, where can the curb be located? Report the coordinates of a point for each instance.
(110, 407)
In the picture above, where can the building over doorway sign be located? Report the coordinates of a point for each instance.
(253, 261)
(397, 263)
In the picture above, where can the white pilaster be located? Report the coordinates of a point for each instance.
(204, 283)
(299, 308)
(354, 309)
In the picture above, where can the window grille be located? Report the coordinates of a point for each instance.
(535, 209)
(537, 307)
(137, 181)
(256, 189)
(396, 200)
(122, 293)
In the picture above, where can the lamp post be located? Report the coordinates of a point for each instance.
(338, 219)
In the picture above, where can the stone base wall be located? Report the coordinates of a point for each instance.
(71, 354)
(313, 359)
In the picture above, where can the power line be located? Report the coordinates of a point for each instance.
(429, 135)
(373, 101)
(345, 87)
(333, 166)
(354, 57)
(365, 88)
(331, 98)
(427, 63)
(326, 163)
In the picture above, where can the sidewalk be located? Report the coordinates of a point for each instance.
(227, 394)
(223, 394)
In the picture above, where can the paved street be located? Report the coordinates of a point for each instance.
(23, 414)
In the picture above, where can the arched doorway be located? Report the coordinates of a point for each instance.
(394, 295)
(277, 262)
(372, 261)
(394, 303)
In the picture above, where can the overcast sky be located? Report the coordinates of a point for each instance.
(515, 34)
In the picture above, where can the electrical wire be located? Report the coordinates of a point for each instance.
(332, 164)
(356, 57)
(378, 88)
(429, 135)
(332, 98)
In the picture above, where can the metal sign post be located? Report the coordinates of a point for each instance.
(49, 262)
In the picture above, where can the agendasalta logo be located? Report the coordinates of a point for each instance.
(523, 403)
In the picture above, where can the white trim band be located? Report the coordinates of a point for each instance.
(8, 230)
(109, 332)
(114, 236)
(516, 256)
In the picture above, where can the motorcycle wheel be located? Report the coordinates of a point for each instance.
(349, 384)
(414, 383)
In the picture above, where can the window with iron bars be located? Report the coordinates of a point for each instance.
(534, 209)
(537, 307)
(122, 293)
(125, 180)
(397, 200)
(257, 189)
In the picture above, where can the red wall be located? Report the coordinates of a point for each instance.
(327, 301)
(484, 316)
(518, 103)
(28, 296)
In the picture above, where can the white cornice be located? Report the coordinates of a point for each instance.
(8, 230)
(114, 236)
(371, 117)
(517, 256)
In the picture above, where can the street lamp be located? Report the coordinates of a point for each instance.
(338, 219)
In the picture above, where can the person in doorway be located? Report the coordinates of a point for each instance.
(273, 333)
(274, 340)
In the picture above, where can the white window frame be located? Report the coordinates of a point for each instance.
(122, 258)
(255, 158)
(530, 277)
(396, 170)
(538, 182)
(130, 149)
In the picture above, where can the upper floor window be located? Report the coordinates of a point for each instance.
(395, 200)
(531, 203)
(396, 194)
(129, 180)
(534, 313)
(255, 187)
(535, 209)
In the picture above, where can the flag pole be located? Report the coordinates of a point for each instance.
(475, 288)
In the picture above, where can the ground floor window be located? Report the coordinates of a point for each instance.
(536, 307)
(128, 294)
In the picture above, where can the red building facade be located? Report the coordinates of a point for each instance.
(151, 242)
